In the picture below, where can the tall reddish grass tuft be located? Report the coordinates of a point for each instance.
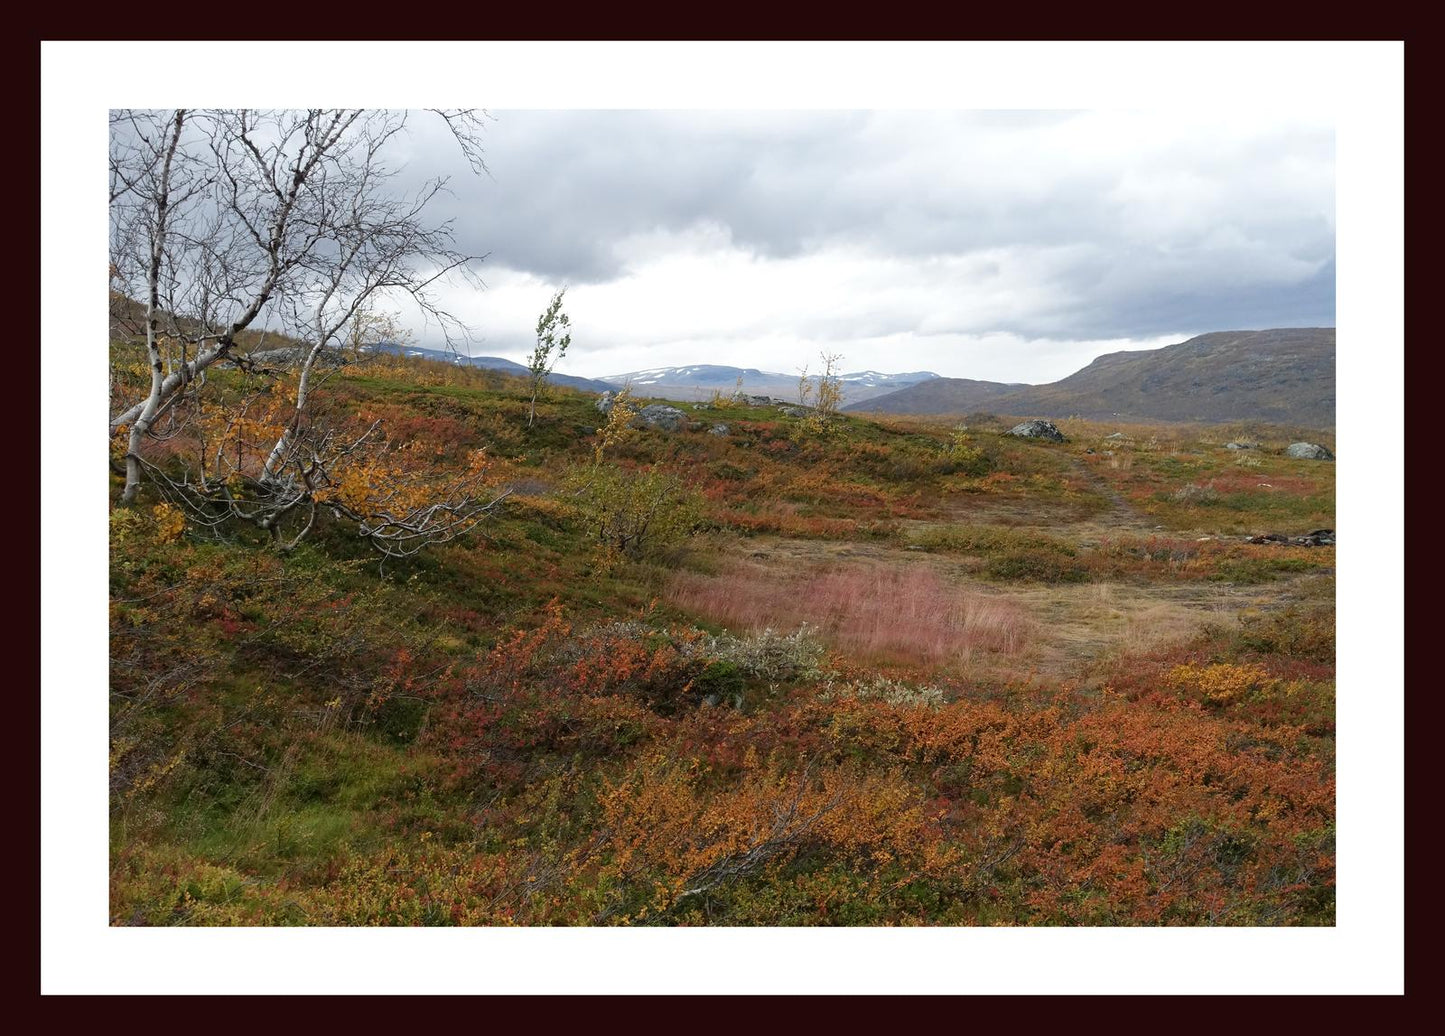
(906, 612)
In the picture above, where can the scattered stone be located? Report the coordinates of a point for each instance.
(1269, 537)
(1037, 430)
(1116, 436)
(718, 429)
(660, 415)
(1245, 445)
(1308, 451)
(1318, 538)
(743, 397)
(1090, 451)
(604, 403)
(702, 406)
(792, 411)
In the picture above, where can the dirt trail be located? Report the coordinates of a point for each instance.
(1121, 514)
(1103, 511)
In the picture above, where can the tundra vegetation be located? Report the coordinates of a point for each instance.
(898, 673)
(402, 642)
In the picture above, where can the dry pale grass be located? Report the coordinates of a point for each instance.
(904, 611)
(1081, 624)
(912, 609)
(1152, 627)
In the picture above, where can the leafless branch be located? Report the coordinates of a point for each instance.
(225, 221)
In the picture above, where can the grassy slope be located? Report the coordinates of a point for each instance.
(1038, 685)
(1283, 375)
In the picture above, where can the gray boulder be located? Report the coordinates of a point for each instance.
(660, 415)
(1038, 430)
(1308, 451)
(792, 411)
(1241, 446)
(604, 403)
(718, 429)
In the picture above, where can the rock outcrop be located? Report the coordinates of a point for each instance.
(1308, 451)
(660, 415)
(1037, 430)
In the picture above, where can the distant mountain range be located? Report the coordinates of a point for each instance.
(1280, 376)
(495, 363)
(702, 380)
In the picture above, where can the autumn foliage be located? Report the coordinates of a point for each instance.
(837, 689)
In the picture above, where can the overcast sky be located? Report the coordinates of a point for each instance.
(1009, 246)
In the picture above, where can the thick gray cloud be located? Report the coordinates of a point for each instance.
(1045, 226)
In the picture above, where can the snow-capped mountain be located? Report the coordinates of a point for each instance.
(700, 381)
(886, 382)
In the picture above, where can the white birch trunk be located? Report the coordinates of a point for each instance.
(142, 421)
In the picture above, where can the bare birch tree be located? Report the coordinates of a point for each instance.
(153, 183)
(278, 222)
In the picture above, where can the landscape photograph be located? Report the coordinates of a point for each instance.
(745, 519)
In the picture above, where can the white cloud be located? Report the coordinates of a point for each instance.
(765, 236)
(694, 297)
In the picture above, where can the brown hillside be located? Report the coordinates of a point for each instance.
(1281, 376)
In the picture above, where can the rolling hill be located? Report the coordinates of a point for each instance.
(496, 363)
(1283, 376)
(127, 322)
